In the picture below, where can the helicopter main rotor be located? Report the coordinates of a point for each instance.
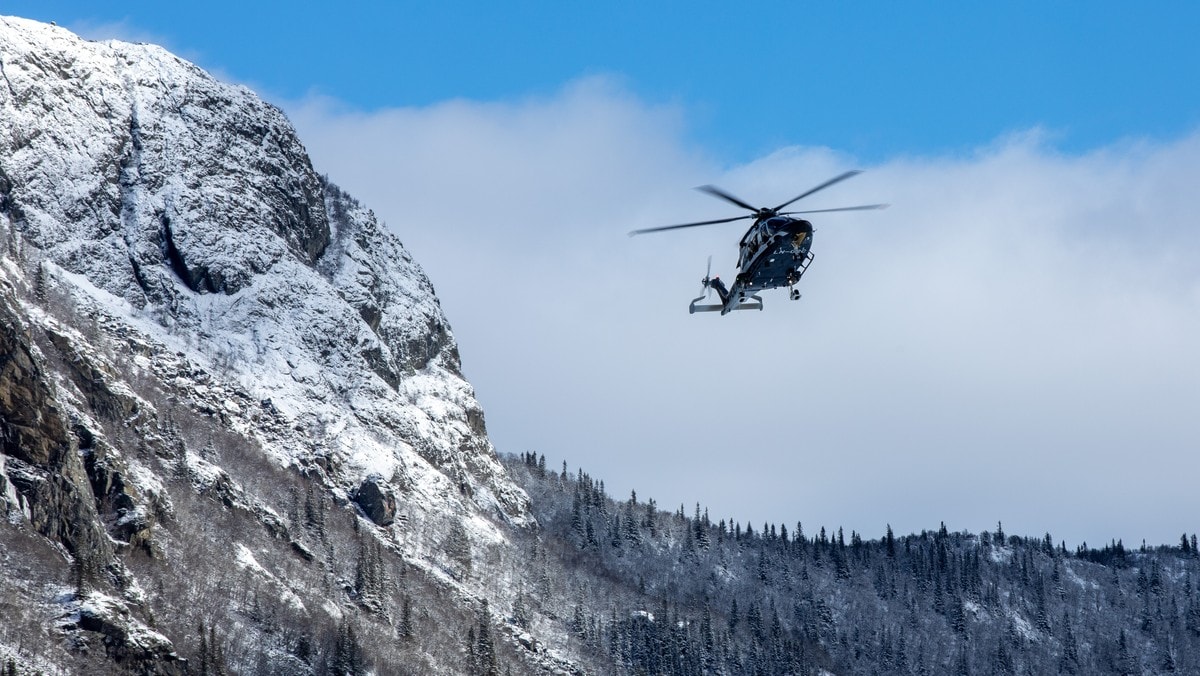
(763, 212)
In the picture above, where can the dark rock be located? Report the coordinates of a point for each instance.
(31, 428)
(375, 499)
(42, 461)
(304, 552)
(94, 380)
(128, 642)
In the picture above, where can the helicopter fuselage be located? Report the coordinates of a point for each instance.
(774, 252)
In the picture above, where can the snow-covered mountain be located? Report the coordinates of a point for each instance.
(187, 210)
(182, 292)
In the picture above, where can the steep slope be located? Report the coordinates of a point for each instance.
(196, 328)
(188, 209)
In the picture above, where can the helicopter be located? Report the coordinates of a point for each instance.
(774, 252)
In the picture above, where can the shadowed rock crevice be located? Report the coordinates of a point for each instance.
(196, 280)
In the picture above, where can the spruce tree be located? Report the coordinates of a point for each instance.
(406, 624)
(472, 651)
(203, 659)
(485, 651)
(347, 653)
(631, 534)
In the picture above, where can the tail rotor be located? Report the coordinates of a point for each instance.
(708, 283)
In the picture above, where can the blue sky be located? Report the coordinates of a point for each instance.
(1013, 340)
(874, 79)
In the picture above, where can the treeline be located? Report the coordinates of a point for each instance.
(677, 593)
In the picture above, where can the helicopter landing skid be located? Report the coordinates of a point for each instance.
(744, 305)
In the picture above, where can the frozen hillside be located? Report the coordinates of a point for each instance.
(187, 210)
(228, 395)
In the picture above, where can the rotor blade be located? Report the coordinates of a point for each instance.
(821, 211)
(708, 270)
(687, 225)
(717, 192)
(826, 184)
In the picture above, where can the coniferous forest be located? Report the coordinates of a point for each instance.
(650, 591)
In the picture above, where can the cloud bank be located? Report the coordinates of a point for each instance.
(1013, 340)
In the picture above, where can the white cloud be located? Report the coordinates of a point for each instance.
(1013, 340)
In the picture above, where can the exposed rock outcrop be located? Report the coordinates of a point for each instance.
(376, 500)
(41, 458)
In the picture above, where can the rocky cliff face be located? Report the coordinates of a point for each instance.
(196, 328)
(188, 210)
